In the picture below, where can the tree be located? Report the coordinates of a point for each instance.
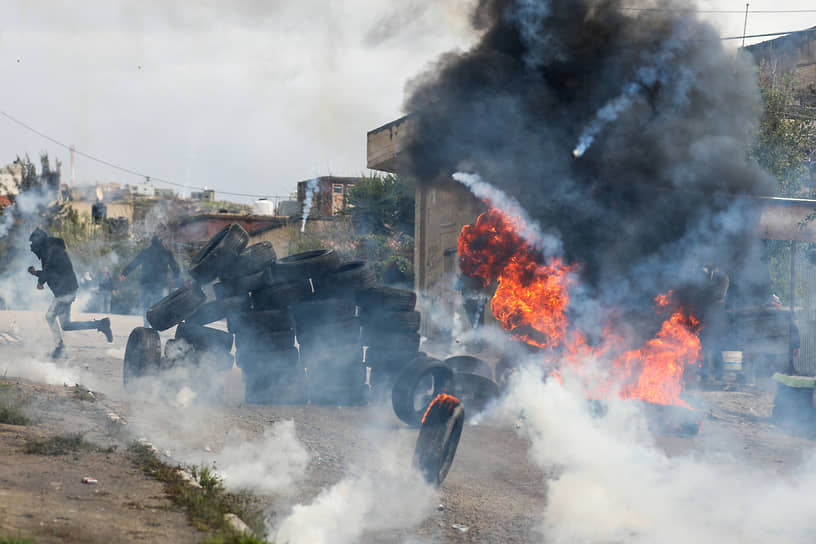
(382, 205)
(785, 146)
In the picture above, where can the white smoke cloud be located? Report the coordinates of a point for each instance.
(269, 465)
(385, 494)
(615, 484)
(31, 368)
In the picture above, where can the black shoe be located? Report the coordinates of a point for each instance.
(103, 326)
(58, 351)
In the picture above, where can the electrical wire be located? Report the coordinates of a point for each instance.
(720, 11)
(116, 166)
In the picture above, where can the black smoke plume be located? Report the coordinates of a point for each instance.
(668, 113)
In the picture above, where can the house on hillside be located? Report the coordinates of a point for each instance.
(795, 53)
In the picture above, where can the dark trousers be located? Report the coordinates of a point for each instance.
(150, 294)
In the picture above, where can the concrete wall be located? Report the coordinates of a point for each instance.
(115, 209)
(442, 209)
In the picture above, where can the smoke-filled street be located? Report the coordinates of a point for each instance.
(343, 474)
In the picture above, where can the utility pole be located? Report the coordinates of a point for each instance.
(73, 166)
(745, 25)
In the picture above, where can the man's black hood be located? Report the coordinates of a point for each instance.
(38, 240)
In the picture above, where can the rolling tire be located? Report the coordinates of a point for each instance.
(407, 397)
(204, 338)
(175, 307)
(309, 264)
(470, 365)
(142, 354)
(407, 321)
(386, 298)
(254, 258)
(219, 252)
(217, 310)
(438, 438)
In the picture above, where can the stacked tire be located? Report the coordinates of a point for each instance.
(390, 326)
(328, 333)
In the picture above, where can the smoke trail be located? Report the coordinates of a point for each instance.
(311, 188)
(654, 73)
(528, 228)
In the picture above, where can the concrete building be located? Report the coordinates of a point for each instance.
(331, 196)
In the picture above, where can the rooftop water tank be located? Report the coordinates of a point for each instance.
(263, 206)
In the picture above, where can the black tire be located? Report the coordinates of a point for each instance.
(470, 365)
(218, 309)
(347, 278)
(254, 258)
(256, 362)
(438, 438)
(406, 341)
(390, 358)
(408, 398)
(316, 312)
(474, 390)
(280, 295)
(266, 340)
(341, 331)
(242, 285)
(219, 253)
(142, 354)
(406, 321)
(309, 264)
(175, 307)
(205, 338)
(255, 322)
(386, 298)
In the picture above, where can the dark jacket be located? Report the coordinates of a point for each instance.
(57, 271)
(154, 260)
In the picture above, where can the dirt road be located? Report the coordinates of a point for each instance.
(493, 493)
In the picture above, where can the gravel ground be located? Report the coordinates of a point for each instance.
(493, 492)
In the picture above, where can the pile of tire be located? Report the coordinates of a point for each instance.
(390, 326)
(328, 332)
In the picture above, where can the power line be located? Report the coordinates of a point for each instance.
(116, 166)
(720, 11)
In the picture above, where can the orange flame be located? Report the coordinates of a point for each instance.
(448, 401)
(531, 301)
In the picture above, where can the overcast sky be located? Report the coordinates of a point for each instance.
(246, 96)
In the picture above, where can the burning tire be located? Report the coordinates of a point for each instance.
(253, 259)
(420, 382)
(218, 309)
(310, 264)
(281, 295)
(389, 320)
(438, 438)
(175, 307)
(142, 354)
(471, 365)
(387, 298)
(219, 252)
(205, 338)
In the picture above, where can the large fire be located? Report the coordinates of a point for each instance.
(532, 300)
